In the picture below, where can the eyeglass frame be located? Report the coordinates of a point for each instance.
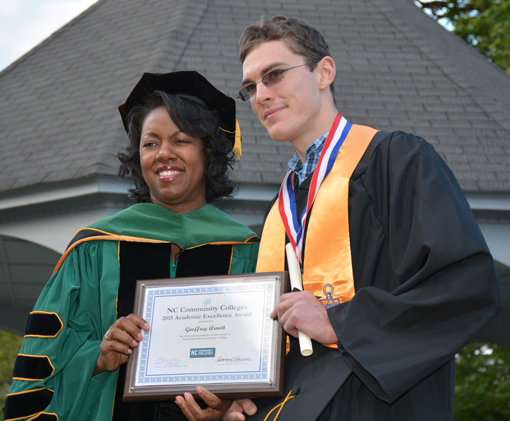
(246, 96)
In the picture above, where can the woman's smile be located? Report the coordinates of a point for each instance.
(167, 173)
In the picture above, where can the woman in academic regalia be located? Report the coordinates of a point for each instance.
(182, 133)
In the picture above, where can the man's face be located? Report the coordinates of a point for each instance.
(289, 110)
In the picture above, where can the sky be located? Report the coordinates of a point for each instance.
(25, 23)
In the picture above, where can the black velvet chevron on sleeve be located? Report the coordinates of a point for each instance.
(31, 367)
(26, 404)
(43, 324)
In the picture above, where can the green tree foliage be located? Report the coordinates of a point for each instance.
(482, 388)
(9, 348)
(483, 24)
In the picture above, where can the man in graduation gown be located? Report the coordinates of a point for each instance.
(396, 273)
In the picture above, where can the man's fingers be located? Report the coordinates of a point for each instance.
(248, 406)
(235, 413)
(286, 302)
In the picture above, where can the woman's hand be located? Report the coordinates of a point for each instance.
(118, 342)
(192, 411)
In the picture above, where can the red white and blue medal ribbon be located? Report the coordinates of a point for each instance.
(287, 200)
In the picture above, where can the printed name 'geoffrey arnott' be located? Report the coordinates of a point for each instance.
(198, 329)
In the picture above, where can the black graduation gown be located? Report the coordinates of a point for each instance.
(425, 284)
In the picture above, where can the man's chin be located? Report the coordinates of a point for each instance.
(278, 135)
(279, 139)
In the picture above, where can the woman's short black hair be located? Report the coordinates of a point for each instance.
(193, 117)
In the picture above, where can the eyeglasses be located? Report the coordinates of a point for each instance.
(269, 79)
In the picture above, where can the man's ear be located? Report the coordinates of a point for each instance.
(327, 69)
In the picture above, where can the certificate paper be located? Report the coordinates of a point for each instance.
(211, 332)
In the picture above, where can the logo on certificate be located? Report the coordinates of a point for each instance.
(329, 301)
(202, 352)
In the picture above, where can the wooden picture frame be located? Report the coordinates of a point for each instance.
(213, 332)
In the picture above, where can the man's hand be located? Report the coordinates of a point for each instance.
(192, 411)
(302, 311)
(238, 407)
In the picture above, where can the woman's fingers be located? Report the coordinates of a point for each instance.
(190, 408)
(118, 334)
(113, 354)
(211, 399)
(118, 342)
(193, 412)
(128, 330)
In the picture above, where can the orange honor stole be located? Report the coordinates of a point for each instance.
(327, 269)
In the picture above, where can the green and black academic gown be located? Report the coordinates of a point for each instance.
(425, 284)
(93, 286)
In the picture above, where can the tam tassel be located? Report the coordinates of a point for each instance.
(237, 141)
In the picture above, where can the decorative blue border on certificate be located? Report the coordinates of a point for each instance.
(240, 377)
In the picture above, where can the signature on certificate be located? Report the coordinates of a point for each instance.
(236, 359)
(167, 362)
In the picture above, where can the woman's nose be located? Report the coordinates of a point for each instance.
(166, 153)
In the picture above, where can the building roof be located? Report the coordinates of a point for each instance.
(396, 69)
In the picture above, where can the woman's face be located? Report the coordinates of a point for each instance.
(173, 163)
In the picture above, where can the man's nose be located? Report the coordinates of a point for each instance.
(263, 92)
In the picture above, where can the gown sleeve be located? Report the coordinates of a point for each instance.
(425, 280)
(53, 371)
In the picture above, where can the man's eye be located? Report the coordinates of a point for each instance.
(250, 88)
(275, 74)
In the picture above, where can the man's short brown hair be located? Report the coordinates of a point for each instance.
(299, 36)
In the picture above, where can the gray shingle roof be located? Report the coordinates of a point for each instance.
(397, 69)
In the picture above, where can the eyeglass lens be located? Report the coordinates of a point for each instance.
(269, 79)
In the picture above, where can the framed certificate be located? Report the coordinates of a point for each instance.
(213, 332)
